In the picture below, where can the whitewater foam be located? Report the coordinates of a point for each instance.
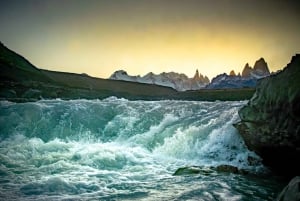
(118, 149)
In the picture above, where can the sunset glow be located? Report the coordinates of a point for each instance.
(142, 36)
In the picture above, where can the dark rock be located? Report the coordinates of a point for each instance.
(192, 170)
(270, 123)
(32, 93)
(291, 192)
(227, 168)
(209, 170)
(9, 93)
(253, 161)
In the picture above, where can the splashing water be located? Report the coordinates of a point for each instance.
(115, 149)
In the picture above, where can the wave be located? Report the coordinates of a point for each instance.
(106, 144)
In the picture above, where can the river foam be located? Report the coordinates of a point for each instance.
(115, 149)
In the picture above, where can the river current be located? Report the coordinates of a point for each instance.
(116, 149)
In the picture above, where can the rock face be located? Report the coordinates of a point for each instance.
(270, 123)
(177, 81)
(291, 192)
(259, 70)
(261, 67)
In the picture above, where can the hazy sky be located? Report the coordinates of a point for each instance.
(98, 37)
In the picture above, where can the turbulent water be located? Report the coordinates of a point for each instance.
(115, 149)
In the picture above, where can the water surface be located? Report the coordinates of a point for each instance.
(115, 149)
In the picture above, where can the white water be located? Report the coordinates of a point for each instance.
(115, 149)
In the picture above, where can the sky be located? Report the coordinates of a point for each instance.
(98, 37)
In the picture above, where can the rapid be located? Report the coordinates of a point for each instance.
(116, 149)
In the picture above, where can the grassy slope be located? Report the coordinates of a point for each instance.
(217, 94)
(95, 84)
(14, 67)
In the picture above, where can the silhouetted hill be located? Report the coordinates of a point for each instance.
(22, 81)
(14, 67)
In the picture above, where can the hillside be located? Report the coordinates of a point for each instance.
(22, 81)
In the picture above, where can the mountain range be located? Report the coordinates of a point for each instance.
(177, 81)
(181, 82)
(21, 81)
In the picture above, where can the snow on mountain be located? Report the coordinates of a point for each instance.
(248, 79)
(180, 82)
(259, 70)
(224, 81)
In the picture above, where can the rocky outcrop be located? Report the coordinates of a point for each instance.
(270, 122)
(291, 192)
(189, 170)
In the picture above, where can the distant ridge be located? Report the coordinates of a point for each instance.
(248, 78)
(177, 81)
(20, 81)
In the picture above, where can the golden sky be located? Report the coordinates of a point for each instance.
(140, 36)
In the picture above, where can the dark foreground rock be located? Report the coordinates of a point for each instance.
(270, 123)
(190, 170)
(291, 192)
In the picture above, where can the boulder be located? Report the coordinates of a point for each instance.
(189, 170)
(192, 170)
(227, 168)
(270, 122)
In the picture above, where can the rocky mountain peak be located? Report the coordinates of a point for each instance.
(246, 71)
(200, 78)
(196, 76)
(178, 81)
(232, 73)
(261, 66)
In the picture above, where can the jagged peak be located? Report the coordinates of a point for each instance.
(295, 57)
(261, 64)
(247, 70)
(196, 76)
(232, 73)
(247, 66)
